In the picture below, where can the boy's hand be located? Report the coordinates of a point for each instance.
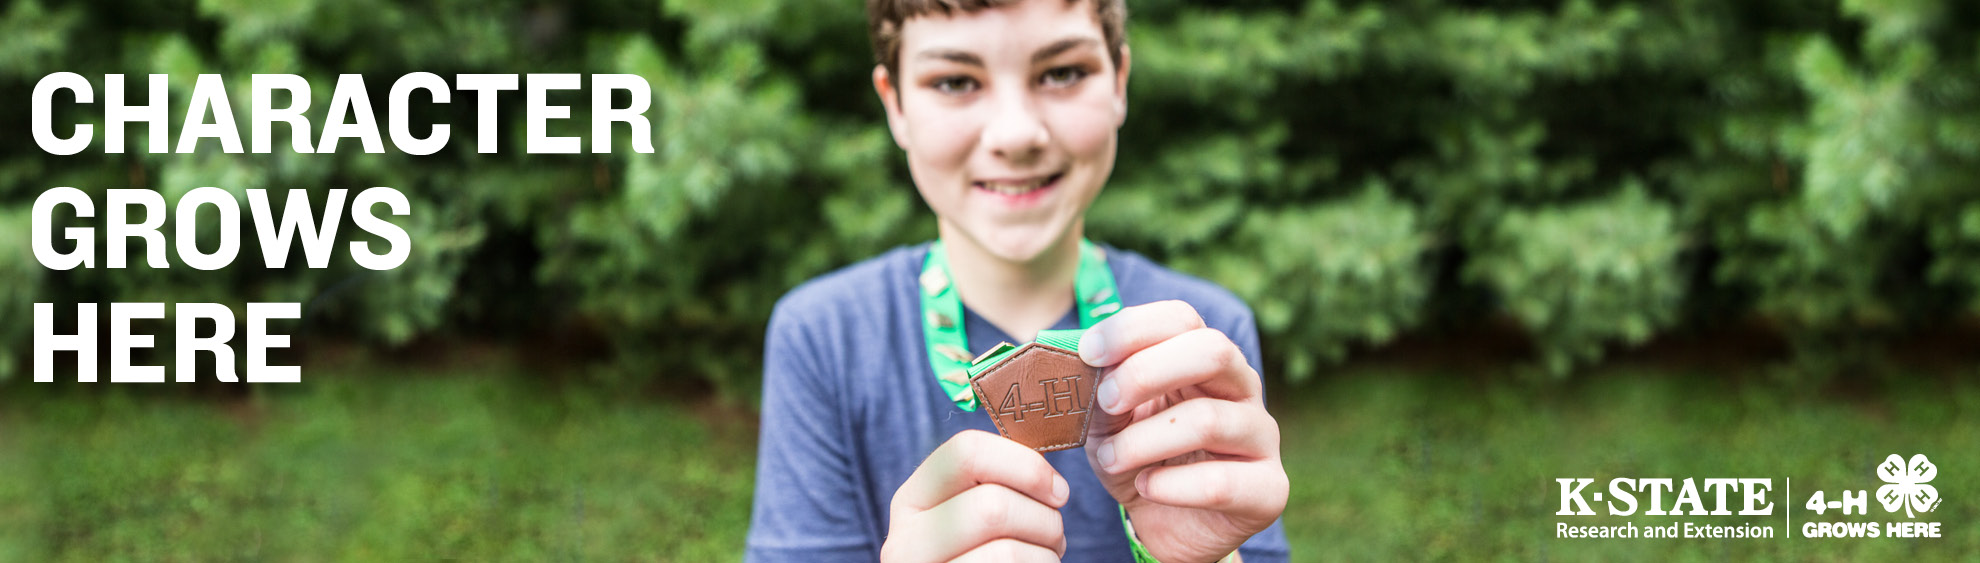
(979, 497)
(1182, 440)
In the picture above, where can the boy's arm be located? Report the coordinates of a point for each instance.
(806, 507)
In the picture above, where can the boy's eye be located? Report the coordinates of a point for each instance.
(954, 85)
(1062, 76)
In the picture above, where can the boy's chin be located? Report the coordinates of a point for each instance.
(1019, 246)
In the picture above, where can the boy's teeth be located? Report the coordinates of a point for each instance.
(1014, 189)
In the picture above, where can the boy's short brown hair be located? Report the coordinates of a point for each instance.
(884, 19)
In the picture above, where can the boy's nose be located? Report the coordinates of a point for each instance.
(1015, 132)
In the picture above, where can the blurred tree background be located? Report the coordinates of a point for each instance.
(1593, 174)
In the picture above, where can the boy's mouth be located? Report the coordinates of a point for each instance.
(1019, 187)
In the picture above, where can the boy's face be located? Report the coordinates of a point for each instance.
(1008, 116)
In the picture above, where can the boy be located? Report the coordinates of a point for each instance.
(870, 449)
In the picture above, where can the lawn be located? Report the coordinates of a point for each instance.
(1385, 464)
(1398, 467)
(397, 467)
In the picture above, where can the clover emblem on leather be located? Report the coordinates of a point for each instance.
(1907, 485)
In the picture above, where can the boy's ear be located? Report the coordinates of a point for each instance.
(890, 96)
(1120, 87)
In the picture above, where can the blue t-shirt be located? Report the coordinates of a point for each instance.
(850, 409)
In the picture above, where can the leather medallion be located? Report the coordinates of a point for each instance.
(1040, 396)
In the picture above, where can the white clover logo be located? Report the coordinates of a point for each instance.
(1907, 485)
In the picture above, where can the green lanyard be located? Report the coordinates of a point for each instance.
(948, 348)
(942, 313)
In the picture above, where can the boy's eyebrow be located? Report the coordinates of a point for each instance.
(1060, 47)
(967, 58)
(952, 55)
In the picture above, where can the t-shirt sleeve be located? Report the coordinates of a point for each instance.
(1243, 331)
(806, 488)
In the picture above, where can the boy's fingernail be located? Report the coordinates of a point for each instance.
(1093, 348)
(1106, 455)
(1109, 393)
(1060, 490)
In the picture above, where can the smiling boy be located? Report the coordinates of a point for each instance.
(1008, 113)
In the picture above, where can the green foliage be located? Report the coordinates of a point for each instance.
(1812, 159)
(1329, 160)
(1958, 245)
(1586, 275)
(17, 297)
(1343, 272)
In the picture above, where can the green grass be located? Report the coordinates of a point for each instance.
(380, 468)
(1428, 468)
(1385, 466)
